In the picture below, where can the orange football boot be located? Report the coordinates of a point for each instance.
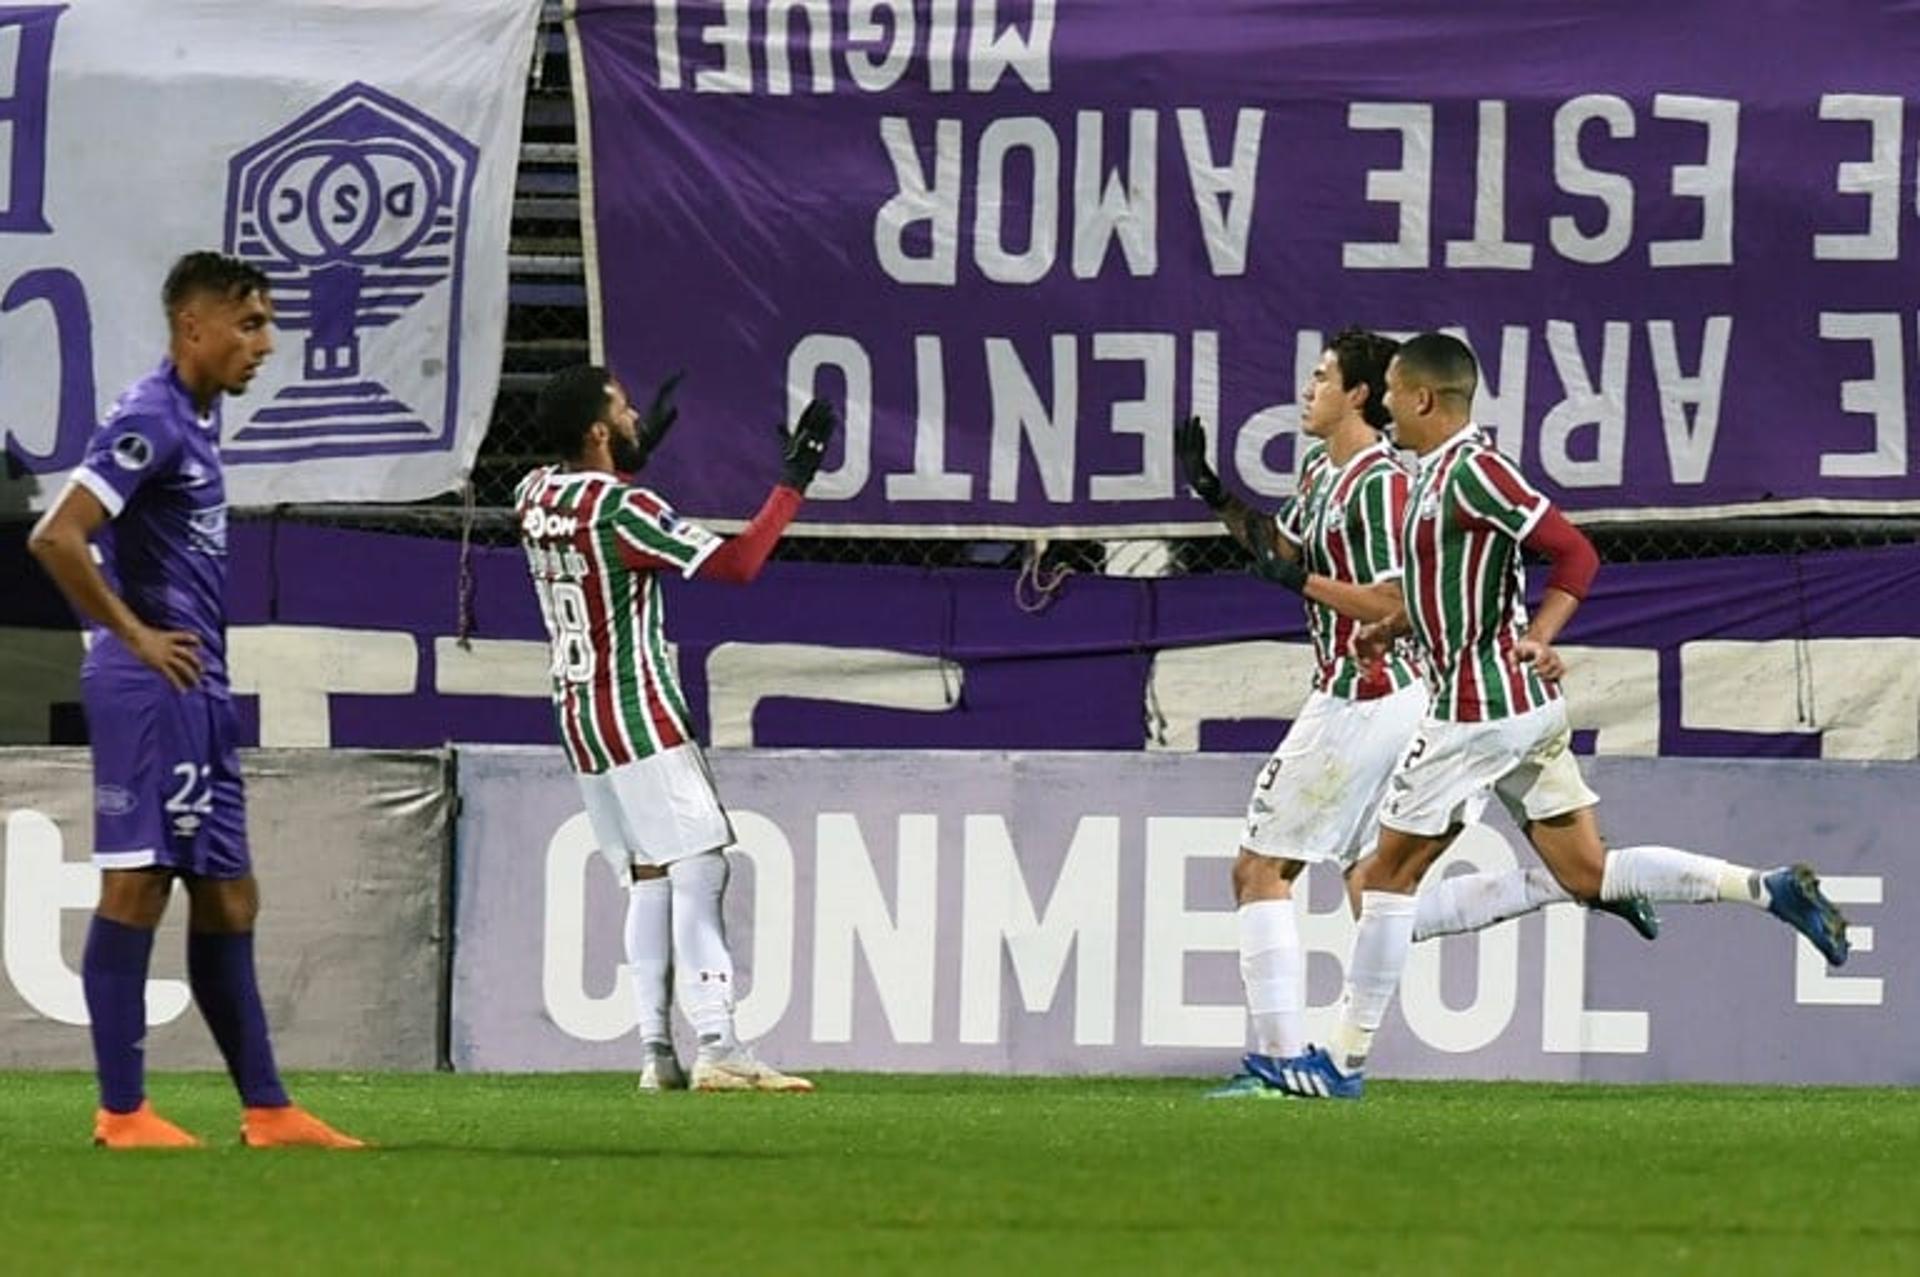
(289, 1127)
(142, 1128)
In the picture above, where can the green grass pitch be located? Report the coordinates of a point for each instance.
(578, 1173)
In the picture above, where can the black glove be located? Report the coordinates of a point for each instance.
(1190, 445)
(1270, 565)
(659, 417)
(802, 450)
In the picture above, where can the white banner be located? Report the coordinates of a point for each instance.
(350, 847)
(937, 911)
(361, 152)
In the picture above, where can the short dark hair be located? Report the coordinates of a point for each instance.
(1363, 358)
(571, 401)
(1442, 363)
(207, 272)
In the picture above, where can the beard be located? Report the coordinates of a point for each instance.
(628, 455)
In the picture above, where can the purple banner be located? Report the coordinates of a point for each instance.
(1021, 239)
(351, 638)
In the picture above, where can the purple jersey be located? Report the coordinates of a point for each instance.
(155, 465)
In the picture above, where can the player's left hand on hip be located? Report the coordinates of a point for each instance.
(1544, 658)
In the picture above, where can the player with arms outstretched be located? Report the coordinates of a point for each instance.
(168, 799)
(1498, 721)
(1336, 542)
(596, 545)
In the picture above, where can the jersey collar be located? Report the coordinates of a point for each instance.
(183, 399)
(1469, 433)
(1379, 447)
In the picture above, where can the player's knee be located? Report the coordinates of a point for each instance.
(704, 874)
(648, 873)
(135, 898)
(1377, 873)
(1581, 881)
(224, 904)
(1258, 877)
(1397, 865)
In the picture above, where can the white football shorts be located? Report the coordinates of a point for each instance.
(656, 810)
(1316, 797)
(1450, 768)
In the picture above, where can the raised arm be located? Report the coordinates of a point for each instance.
(740, 558)
(1253, 530)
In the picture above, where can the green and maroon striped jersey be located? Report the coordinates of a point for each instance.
(595, 546)
(1465, 583)
(1346, 521)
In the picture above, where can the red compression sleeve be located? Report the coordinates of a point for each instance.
(1572, 555)
(739, 558)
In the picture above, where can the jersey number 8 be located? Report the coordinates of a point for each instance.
(564, 606)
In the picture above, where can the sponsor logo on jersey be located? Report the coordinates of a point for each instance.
(207, 530)
(541, 525)
(112, 800)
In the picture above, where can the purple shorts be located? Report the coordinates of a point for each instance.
(166, 777)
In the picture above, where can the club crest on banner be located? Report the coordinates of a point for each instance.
(358, 212)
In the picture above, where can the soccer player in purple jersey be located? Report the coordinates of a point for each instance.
(597, 544)
(138, 542)
(1498, 722)
(1336, 541)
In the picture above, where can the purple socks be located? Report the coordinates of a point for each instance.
(220, 968)
(113, 972)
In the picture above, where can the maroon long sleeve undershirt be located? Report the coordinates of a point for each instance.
(1567, 548)
(739, 558)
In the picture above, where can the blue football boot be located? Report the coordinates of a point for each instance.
(1794, 897)
(1312, 1076)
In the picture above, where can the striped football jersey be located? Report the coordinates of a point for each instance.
(1346, 521)
(1465, 583)
(595, 547)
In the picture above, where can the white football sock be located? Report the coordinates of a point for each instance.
(1271, 969)
(1670, 875)
(1468, 902)
(1373, 973)
(650, 955)
(702, 967)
